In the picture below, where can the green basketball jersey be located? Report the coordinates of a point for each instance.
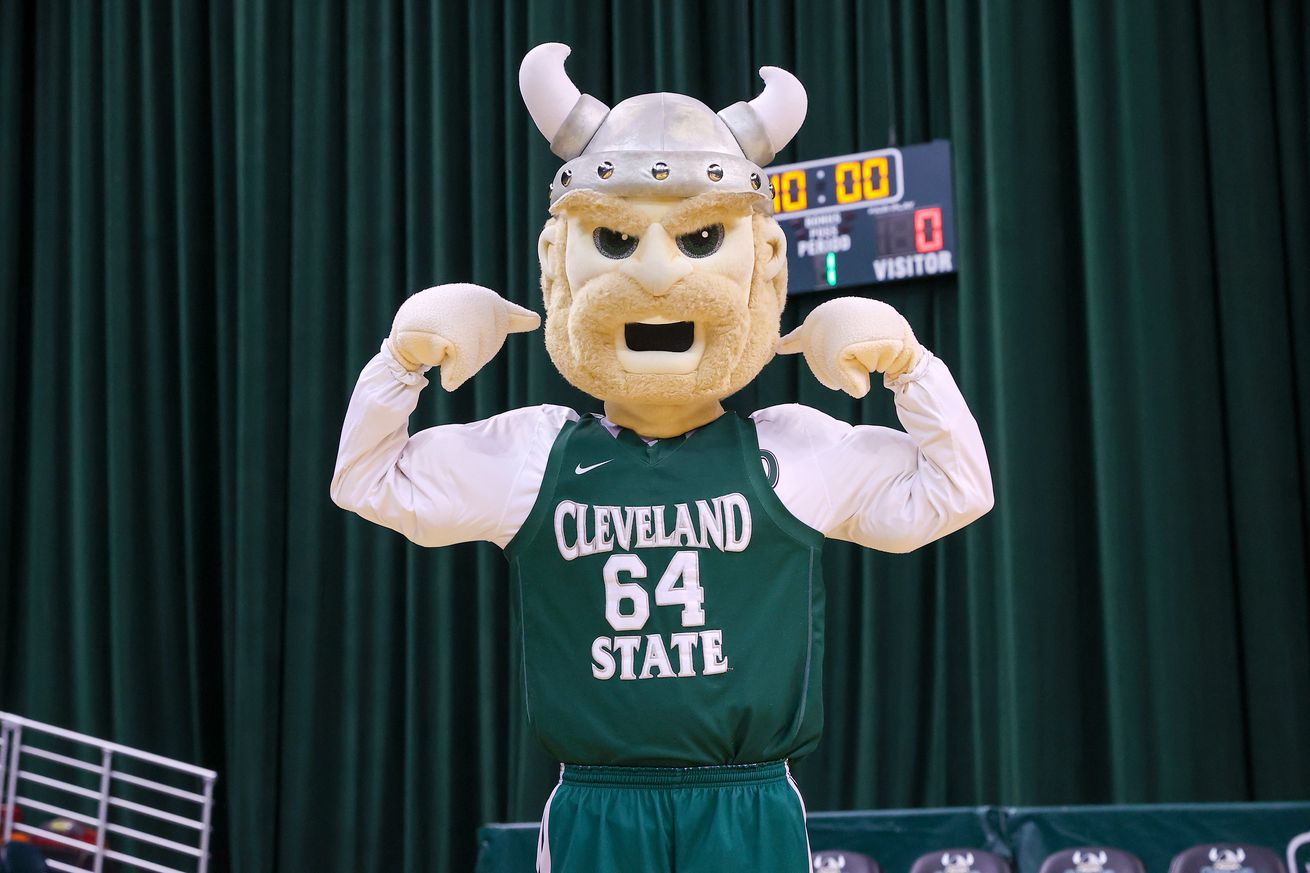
(670, 608)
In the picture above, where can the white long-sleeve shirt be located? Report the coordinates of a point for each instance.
(882, 488)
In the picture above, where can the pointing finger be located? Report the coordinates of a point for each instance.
(521, 320)
(793, 342)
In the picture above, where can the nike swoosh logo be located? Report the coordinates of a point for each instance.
(581, 469)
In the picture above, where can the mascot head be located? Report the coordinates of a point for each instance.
(663, 270)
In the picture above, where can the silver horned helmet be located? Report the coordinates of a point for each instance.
(659, 145)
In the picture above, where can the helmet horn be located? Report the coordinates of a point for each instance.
(564, 115)
(765, 125)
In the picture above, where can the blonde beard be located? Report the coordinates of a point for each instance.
(740, 336)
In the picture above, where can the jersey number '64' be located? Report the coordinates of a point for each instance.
(679, 586)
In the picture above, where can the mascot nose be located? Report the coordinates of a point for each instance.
(656, 263)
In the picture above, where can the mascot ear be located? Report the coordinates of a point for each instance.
(771, 255)
(550, 252)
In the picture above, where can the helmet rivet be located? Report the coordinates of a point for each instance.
(660, 171)
(550, 188)
(755, 181)
(567, 176)
(605, 170)
(715, 172)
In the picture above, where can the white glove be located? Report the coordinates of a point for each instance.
(457, 327)
(846, 339)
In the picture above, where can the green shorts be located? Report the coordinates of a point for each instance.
(741, 817)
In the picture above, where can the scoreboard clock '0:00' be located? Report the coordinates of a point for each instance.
(867, 218)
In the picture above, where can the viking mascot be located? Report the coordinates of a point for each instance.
(665, 555)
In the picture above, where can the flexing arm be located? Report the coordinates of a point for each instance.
(882, 488)
(449, 484)
(454, 483)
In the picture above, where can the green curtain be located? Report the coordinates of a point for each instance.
(209, 212)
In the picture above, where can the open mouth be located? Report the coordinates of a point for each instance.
(660, 346)
(675, 337)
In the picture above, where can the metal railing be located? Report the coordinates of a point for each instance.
(157, 818)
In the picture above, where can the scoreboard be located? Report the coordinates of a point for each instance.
(867, 218)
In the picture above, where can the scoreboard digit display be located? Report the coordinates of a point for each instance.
(868, 218)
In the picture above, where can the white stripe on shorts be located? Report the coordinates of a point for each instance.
(804, 815)
(543, 837)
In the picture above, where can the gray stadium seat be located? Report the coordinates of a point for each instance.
(960, 861)
(1092, 859)
(842, 861)
(1298, 845)
(1227, 858)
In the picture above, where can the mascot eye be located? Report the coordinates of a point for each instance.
(701, 243)
(613, 244)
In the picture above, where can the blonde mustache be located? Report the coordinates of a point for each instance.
(605, 303)
(740, 328)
